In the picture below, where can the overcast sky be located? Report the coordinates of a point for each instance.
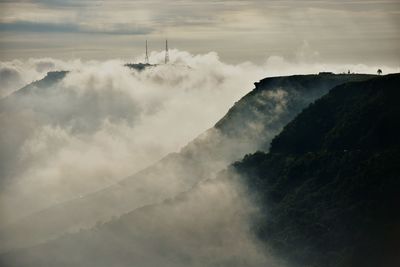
(339, 31)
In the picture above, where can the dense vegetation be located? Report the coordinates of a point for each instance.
(275, 101)
(327, 188)
(330, 186)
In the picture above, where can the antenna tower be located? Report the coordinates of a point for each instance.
(146, 60)
(166, 52)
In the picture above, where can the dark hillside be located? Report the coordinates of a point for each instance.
(248, 126)
(301, 222)
(347, 118)
(330, 186)
(290, 92)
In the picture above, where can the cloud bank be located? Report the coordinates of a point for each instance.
(104, 121)
(210, 225)
(63, 139)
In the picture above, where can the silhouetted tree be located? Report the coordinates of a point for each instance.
(379, 71)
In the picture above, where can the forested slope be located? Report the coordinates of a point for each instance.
(330, 186)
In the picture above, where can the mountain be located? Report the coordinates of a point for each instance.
(327, 192)
(51, 78)
(139, 66)
(12, 103)
(249, 125)
(330, 186)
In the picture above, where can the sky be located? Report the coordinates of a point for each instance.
(104, 122)
(340, 31)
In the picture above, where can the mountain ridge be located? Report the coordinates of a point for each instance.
(251, 166)
(330, 183)
(269, 107)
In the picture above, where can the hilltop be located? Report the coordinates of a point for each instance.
(329, 187)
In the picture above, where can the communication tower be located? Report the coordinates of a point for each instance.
(166, 52)
(146, 60)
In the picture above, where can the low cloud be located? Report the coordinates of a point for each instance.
(16, 73)
(104, 121)
(210, 225)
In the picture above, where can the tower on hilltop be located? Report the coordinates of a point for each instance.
(146, 60)
(166, 52)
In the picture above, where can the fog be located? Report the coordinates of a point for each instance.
(104, 121)
(210, 225)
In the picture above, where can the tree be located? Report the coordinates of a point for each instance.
(379, 71)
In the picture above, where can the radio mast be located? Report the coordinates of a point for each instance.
(166, 52)
(146, 60)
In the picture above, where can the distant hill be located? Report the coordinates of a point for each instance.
(249, 125)
(13, 103)
(50, 79)
(139, 66)
(330, 185)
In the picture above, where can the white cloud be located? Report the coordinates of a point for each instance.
(16, 73)
(103, 121)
